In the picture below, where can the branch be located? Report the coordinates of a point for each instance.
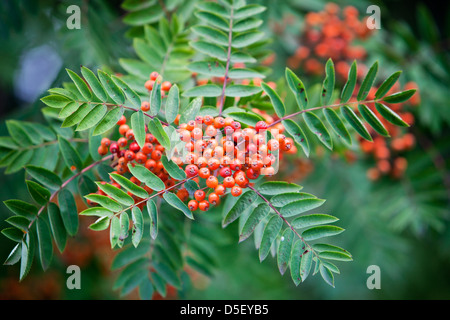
(230, 37)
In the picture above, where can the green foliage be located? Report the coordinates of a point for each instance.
(86, 109)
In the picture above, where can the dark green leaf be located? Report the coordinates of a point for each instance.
(57, 226)
(349, 87)
(372, 120)
(255, 218)
(175, 202)
(315, 233)
(271, 231)
(298, 89)
(300, 206)
(44, 176)
(243, 203)
(69, 212)
(387, 85)
(355, 122)
(367, 83)
(318, 128)
(390, 115)
(337, 124)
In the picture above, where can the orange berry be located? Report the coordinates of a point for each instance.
(236, 191)
(193, 205)
(145, 106)
(149, 84)
(204, 205)
(199, 195)
(204, 173)
(154, 75)
(123, 129)
(122, 120)
(166, 85)
(220, 190)
(212, 182)
(214, 199)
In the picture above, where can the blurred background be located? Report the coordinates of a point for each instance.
(392, 196)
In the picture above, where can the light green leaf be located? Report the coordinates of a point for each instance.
(138, 126)
(94, 84)
(172, 104)
(277, 187)
(116, 193)
(255, 218)
(300, 206)
(318, 128)
(108, 121)
(243, 203)
(153, 213)
(298, 88)
(271, 231)
(93, 117)
(138, 226)
(337, 124)
(297, 134)
(319, 232)
(175, 202)
(312, 220)
(146, 176)
(80, 84)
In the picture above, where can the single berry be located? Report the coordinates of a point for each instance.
(236, 191)
(145, 106)
(204, 205)
(122, 120)
(212, 182)
(193, 205)
(154, 75)
(260, 126)
(114, 147)
(214, 199)
(191, 170)
(199, 195)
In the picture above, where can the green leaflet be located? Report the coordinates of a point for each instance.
(27, 254)
(105, 202)
(116, 193)
(296, 253)
(305, 264)
(173, 169)
(191, 110)
(155, 127)
(57, 226)
(328, 83)
(278, 105)
(55, 101)
(175, 202)
(69, 212)
(45, 244)
(211, 34)
(111, 88)
(271, 231)
(240, 90)
(400, 97)
(21, 208)
(39, 194)
(146, 176)
(138, 226)
(387, 85)
(326, 275)
(298, 89)
(349, 86)
(297, 134)
(100, 224)
(92, 118)
(319, 232)
(129, 186)
(77, 116)
(372, 120)
(355, 122)
(284, 250)
(337, 124)
(318, 128)
(282, 199)
(114, 231)
(108, 121)
(300, 206)
(172, 104)
(277, 187)
(80, 84)
(70, 155)
(44, 176)
(312, 220)
(97, 212)
(390, 115)
(242, 204)
(155, 98)
(132, 96)
(257, 215)
(95, 85)
(153, 213)
(138, 126)
(207, 90)
(367, 83)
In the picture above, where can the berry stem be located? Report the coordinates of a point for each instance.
(230, 37)
(318, 108)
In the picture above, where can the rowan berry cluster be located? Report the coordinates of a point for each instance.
(330, 34)
(226, 156)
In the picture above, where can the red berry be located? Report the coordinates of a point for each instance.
(122, 142)
(129, 155)
(145, 106)
(229, 182)
(154, 75)
(141, 157)
(212, 182)
(204, 205)
(149, 84)
(193, 205)
(236, 191)
(102, 150)
(225, 172)
(199, 195)
(129, 134)
(105, 142)
(166, 85)
(191, 170)
(134, 147)
(214, 199)
(122, 120)
(261, 125)
(114, 147)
